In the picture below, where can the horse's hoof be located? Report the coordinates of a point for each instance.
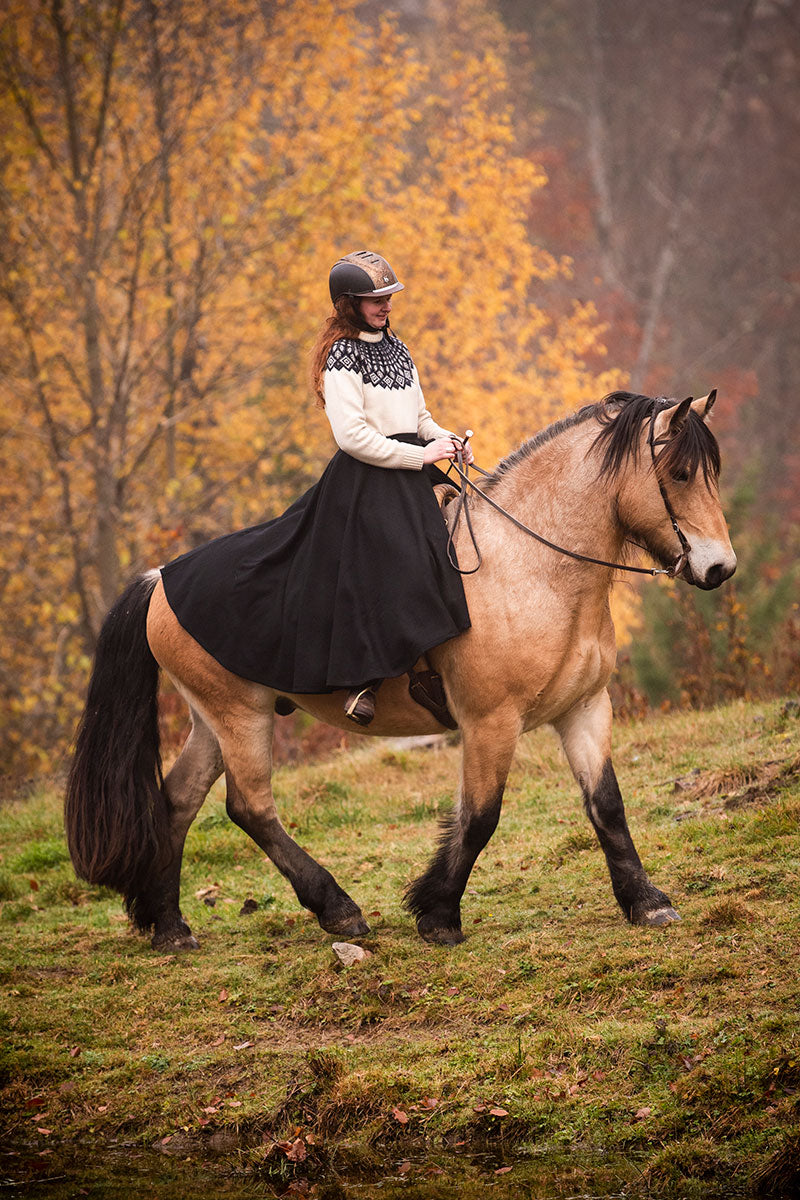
(175, 944)
(441, 937)
(349, 928)
(660, 916)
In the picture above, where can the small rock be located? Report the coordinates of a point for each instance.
(348, 954)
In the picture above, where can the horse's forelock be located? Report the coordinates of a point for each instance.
(694, 448)
(622, 415)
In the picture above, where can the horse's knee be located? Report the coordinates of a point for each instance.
(479, 823)
(603, 802)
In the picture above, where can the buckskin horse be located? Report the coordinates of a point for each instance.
(541, 650)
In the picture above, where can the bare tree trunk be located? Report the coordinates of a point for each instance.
(107, 514)
(161, 114)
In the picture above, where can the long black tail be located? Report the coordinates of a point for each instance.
(116, 812)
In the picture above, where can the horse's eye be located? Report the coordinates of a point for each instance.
(681, 476)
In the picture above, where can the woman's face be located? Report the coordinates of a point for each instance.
(375, 310)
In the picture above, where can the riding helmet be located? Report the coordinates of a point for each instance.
(362, 273)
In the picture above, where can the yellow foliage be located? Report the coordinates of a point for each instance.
(167, 240)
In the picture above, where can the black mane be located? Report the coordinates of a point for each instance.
(621, 416)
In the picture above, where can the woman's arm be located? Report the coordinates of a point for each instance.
(344, 407)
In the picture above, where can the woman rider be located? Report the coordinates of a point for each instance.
(352, 584)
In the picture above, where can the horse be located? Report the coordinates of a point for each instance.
(629, 470)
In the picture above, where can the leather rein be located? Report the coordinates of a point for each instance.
(462, 508)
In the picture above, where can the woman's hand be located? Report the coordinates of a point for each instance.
(446, 447)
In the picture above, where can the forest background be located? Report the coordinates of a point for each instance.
(580, 195)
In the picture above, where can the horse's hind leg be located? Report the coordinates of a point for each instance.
(435, 898)
(187, 784)
(586, 736)
(250, 803)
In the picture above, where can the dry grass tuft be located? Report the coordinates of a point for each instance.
(727, 913)
(779, 1178)
(741, 784)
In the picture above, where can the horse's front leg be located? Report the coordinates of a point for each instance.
(585, 733)
(250, 805)
(435, 898)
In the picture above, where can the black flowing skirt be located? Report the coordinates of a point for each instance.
(352, 583)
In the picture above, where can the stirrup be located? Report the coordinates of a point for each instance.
(359, 705)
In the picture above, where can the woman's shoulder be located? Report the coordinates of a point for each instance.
(344, 355)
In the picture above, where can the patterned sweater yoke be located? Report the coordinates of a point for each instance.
(372, 391)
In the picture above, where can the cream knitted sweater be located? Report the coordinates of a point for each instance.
(371, 390)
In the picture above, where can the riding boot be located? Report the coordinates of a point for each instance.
(359, 703)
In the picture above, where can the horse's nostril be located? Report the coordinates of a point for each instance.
(717, 575)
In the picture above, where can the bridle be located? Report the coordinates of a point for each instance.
(462, 508)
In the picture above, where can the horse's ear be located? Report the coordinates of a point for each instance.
(678, 416)
(704, 405)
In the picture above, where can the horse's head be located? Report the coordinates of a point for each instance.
(669, 493)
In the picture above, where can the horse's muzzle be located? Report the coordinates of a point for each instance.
(714, 576)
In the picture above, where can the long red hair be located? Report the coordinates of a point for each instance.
(345, 321)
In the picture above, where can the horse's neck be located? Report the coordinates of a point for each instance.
(557, 491)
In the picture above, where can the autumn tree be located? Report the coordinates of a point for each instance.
(176, 179)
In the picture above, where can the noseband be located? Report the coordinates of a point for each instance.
(462, 508)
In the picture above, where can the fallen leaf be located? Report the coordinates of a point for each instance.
(400, 1116)
(404, 1168)
(297, 1151)
(75, 1051)
(429, 1102)
(641, 1113)
(503, 1170)
(33, 885)
(102, 1108)
(498, 1112)
(46, 1132)
(244, 1046)
(218, 1041)
(35, 1102)
(223, 995)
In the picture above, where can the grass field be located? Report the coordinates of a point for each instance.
(558, 1051)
